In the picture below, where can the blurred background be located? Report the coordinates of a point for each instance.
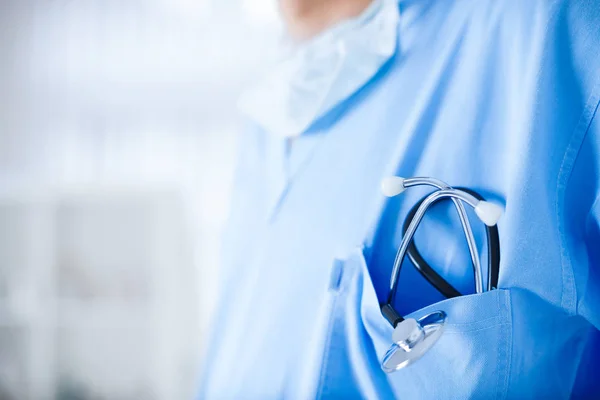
(117, 145)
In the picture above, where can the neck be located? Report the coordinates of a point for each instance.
(307, 18)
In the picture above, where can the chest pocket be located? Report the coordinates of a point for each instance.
(470, 360)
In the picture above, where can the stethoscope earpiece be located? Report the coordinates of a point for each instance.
(488, 213)
(392, 186)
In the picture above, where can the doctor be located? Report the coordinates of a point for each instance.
(497, 96)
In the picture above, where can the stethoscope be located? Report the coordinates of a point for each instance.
(412, 338)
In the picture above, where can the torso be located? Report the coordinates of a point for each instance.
(467, 100)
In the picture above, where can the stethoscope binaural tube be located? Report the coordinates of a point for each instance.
(488, 213)
(395, 185)
(443, 286)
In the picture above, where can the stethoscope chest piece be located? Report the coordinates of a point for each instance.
(412, 338)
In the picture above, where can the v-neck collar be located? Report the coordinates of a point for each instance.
(288, 157)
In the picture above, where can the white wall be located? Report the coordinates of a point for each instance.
(117, 141)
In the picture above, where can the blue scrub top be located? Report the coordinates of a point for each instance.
(497, 96)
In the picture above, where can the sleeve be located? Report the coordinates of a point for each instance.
(580, 221)
(580, 225)
(579, 205)
(581, 230)
(587, 270)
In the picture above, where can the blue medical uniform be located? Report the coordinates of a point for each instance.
(497, 96)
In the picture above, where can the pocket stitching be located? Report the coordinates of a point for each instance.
(499, 316)
(507, 347)
(456, 332)
(475, 322)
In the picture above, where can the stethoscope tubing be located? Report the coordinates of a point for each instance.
(493, 256)
(464, 220)
(419, 214)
